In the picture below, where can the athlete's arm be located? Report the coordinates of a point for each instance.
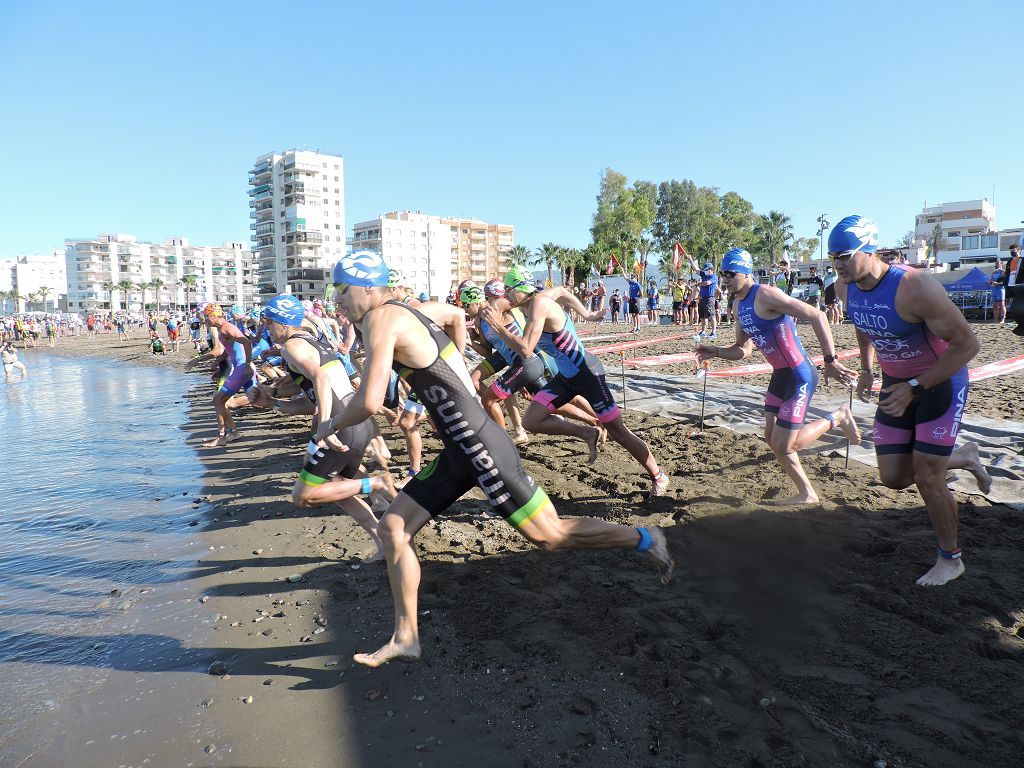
(480, 344)
(925, 300)
(451, 319)
(380, 332)
(540, 307)
(781, 303)
(565, 298)
(739, 350)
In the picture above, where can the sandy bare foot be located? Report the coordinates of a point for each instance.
(970, 452)
(604, 435)
(660, 487)
(388, 491)
(521, 439)
(943, 572)
(793, 501)
(218, 442)
(376, 557)
(391, 652)
(592, 440)
(845, 421)
(659, 554)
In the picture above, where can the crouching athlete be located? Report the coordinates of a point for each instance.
(476, 452)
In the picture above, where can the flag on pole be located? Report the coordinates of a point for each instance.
(678, 252)
(593, 271)
(613, 265)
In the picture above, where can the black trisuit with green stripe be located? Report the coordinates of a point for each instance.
(323, 463)
(476, 450)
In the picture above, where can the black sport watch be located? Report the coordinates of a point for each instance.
(829, 358)
(915, 387)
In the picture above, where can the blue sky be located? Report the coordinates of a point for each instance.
(145, 118)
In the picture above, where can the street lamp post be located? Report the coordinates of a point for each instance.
(823, 227)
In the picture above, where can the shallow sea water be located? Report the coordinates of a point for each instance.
(97, 490)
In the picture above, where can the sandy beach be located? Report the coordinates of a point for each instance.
(789, 637)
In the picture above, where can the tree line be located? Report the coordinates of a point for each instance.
(640, 223)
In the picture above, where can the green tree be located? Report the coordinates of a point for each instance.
(774, 231)
(189, 283)
(110, 286)
(156, 284)
(569, 260)
(43, 294)
(518, 255)
(547, 255)
(125, 287)
(142, 288)
(623, 213)
(804, 249)
(16, 297)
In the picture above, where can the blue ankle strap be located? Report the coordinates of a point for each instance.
(646, 542)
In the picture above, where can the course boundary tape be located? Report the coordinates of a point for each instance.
(637, 343)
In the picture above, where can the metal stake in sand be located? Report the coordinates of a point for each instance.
(848, 439)
(702, 371)
(622, 363)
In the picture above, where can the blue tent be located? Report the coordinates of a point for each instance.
(964, 280)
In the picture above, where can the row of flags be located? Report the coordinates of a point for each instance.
(640, 267)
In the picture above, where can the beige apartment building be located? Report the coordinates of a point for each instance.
(434, 253)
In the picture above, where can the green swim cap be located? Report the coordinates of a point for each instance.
(518, 279)
(471, 294)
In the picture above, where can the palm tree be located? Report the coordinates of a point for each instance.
(569, 260)
(4, 296)
(43, 292)
(518, 255)
(774, 231)
(125, 287)
(156, 284)
(547, 254)
(143, 287)
(109, 286)
(189, 283)
(15, 297)
(644, 248)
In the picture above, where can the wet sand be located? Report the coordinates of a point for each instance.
(788, 637)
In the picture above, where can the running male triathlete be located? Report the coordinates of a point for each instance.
(765, 320)
(923, 345)
(330, 471)
(477, 452)
(549, 327)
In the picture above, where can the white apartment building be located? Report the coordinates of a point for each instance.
(964, 233)
(28, 275)
(297, 203)
(227, 274)
(433, 253)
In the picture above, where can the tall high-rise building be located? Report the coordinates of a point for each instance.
(226, 274)
(297, 203)
(434, 253)
(30, 274)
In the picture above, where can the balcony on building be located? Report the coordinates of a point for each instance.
(303, 236)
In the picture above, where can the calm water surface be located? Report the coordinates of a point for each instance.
(96, 495)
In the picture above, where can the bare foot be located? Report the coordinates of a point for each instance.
(969, 451)
(943, 572)
(659, 554)
(392, 651)
(388, 491)
(792, 501)
(231, 436)
(592, 440)
(376, 557)
(521, 439)
(660, 487)
(845, 421)
(604, 435)
(218, 442)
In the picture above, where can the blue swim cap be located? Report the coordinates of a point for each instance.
(853, 234)
(737, 260)
(254, 314)
(708, 267)
(238, 310)
(285, 309)
(362, 268)
(424, 296)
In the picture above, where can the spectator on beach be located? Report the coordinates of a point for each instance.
(9, 356)
(678, 294)
(707, 310)
(600, 294)
(90, 324)
(783, 277)
(998, 293)
(172, 332)
(815, 285)
(1014, 274)
(633, 304)
(156, 343)
(615, 304)
(653, 299)
(122, 331)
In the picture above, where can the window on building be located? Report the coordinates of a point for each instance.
(990, 241)
(953, 234)
(311, 286)
(970, 243)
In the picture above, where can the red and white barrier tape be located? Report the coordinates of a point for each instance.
(637, 343)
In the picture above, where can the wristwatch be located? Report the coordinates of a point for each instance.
(916, 387)
(829, 359)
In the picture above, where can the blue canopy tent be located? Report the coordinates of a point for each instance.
(969, 289)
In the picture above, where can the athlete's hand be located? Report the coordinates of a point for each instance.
(898, 397)
(840, 373)
(259, 398)
(491, 315)
(323, 429)
(332, 442)
(864, 382)
(706, 352)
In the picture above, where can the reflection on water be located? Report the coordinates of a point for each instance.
(96, 490)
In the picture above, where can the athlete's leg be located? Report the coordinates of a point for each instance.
(637, 448)
(493, 405)
(408, 422)
(783, 443)
(930, 477)
(539, 420)
(397, 527)
(225, 424)
(966, 457)
(512, 409)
